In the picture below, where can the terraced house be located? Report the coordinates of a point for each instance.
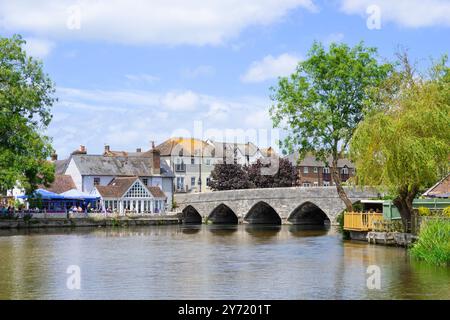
(192, 160)
(313, 173)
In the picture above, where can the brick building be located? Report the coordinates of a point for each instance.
(313, 173)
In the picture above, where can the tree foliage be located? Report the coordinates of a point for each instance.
(322, 102)
(229, 177)
(26, 95)
(236, 176)
(404, 143)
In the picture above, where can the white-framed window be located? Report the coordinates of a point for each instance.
(192, 160)
(326, 169)
(306, 184)
(344, 170)
(315, 169)
(208, 162)
(305, 170)
(96, 181)
(326, 183)
(316, 184)
(137, 191)
(180, 183)
(145, 181)
(192, 181)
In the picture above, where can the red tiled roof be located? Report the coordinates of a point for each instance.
(61, 184)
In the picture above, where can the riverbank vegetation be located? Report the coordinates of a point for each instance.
(433, 245)
(402, 145)
(26, 96)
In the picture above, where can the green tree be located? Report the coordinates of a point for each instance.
(322, 102)
(26, 95)
(404, 143)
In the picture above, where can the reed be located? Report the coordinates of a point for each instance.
(433, 245)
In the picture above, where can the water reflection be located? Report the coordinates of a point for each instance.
(223, 230)
(208, 262)
(308, 230)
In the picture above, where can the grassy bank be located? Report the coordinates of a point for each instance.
(434, 242)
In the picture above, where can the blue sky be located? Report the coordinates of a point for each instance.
(129, 72)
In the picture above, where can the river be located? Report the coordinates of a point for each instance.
(209, 262)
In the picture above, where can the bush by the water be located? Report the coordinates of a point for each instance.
(433, 245)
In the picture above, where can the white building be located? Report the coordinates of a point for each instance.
(91, 171)
(192, 160)
(130, 195)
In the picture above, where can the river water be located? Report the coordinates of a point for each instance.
(209, 262)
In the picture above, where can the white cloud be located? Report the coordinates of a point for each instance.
(184, 101)
(271, 67)
(38, 48)
(170, 22)
(142, 78)
(407, 13)
(128, 119)
(200, 71)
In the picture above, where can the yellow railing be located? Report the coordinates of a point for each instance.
(358, 221)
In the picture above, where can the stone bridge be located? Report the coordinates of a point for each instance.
(296, 205)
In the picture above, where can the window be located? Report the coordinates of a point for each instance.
(192, 160)
(208, 179)
(315, 169)
(326, 170)
(137, 191)
(193, 182)
(316, 184)
(145, 181)
(326, 183)
(306, 184)
(208, 162)
(305, 170)
(344, 170)
(180, 183)
(96, 181)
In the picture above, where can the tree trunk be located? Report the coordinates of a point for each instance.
(340, 190)
(404, 204)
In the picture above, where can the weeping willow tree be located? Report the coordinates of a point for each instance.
(404, 144)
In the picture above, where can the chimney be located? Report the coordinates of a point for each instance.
(156, 161)
(54, 157)
(138, 150)
(107, 148)
(82, 149)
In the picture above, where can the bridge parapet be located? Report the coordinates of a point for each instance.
(283, 200)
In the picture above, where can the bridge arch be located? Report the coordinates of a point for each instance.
(308, 213)
(222, 214)
(262, 213)
(191, 215)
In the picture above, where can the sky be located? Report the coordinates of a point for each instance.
(128, 72)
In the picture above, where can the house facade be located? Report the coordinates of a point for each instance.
(313, 173)
(192, 160)
(89, 171)
(130, 195)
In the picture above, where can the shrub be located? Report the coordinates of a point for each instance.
(446, 212)
(433, 245)
(424, 212)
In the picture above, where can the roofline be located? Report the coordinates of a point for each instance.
(436, 184)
